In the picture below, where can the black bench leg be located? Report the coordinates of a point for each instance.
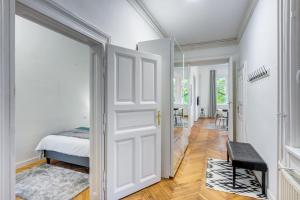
(263, 182)
(233, 177)
(227, 156)
(48, 160)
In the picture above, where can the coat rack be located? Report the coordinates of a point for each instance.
(258, 74)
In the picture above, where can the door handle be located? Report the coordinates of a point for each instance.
(158, 118)
(298, 76)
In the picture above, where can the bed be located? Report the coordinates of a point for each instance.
(70, 146)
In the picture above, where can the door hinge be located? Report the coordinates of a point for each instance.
(104, 69)
(282, 115)
(104, 181)
(104, 66)
(104, 123)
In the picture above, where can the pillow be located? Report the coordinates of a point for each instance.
(83, 128)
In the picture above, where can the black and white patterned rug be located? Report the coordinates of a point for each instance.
(219, 177)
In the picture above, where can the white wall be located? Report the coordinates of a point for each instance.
(114, 17)
(52, 85)
(259, 47)
(203, 83)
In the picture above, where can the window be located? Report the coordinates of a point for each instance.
(181, 91)
(185, 91)
(221, 91)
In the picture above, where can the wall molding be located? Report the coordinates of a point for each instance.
(217, 59)
(144, 12)
(28, 161)
(210, 44)
(55, 16)
(7, 59)
(247, 17)
(205, 62)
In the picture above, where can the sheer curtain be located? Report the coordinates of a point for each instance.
(212, 94)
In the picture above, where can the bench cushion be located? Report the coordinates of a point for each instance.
(243, 155)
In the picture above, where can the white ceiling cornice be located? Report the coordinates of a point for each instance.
(210, 44)
(140, 7)
(208, 62)
(246, 19)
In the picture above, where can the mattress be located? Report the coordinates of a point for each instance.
(63, 144)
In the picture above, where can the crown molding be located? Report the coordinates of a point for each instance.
(210, 44)
(141, 9)
(208, 62)
(53, 15)
(247, 17)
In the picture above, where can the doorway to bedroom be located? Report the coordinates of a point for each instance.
(52, 113)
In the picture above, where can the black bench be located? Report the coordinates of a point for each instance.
(243, 155)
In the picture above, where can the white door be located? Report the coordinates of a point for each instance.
(231, 99)
(133, 158)
(241, 88)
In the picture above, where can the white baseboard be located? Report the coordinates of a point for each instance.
(270, 195)
(26, 162)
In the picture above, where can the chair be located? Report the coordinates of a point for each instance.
(220, 118)
(178, 115)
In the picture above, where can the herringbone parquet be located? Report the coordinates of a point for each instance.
(189, 182)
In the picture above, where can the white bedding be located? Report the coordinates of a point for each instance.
(67, 145)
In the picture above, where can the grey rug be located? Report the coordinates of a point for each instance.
(48, 182)
(219, 177)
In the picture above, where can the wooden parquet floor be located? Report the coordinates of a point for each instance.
(189, 182)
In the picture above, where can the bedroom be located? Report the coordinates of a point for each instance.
(52, 109)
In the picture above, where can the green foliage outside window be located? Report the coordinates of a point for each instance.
(221, 91)
(185, 92)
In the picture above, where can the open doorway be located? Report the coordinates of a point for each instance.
(52, 113)
(211, 86)
(45, 14)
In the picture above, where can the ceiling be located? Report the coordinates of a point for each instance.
(198, 21)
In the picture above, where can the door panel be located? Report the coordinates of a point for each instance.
(133, 128)
(149, 92)
(125, 68)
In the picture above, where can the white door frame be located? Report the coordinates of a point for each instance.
(54, 16)
(243, 71)
(284, 96)
(195, 106)
(7, 59)
(231, 60)
(288, 34)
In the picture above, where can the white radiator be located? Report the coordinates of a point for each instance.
(289, 185)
